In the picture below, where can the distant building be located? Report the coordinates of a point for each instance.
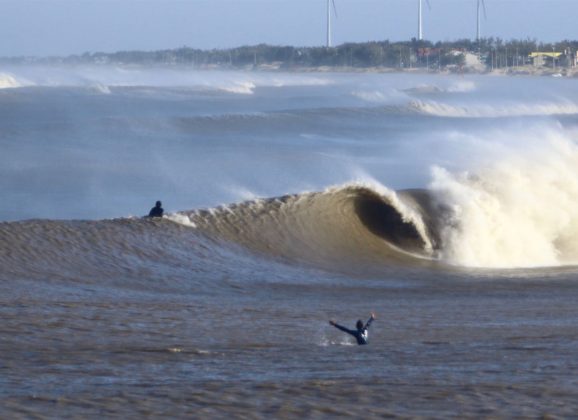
(549, 59)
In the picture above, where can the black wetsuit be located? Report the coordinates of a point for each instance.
(360, 334)
(156, 211)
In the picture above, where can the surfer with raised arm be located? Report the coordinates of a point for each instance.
(360, 333)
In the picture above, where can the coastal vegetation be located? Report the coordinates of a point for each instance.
(491, 53)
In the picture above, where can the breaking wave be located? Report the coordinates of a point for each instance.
(492, 111)
(345, 225)
(510, 216)
(518, 210)
(8, 81)
(235, 82)
(393, 95)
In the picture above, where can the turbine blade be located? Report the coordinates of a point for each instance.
(428, 4)
(485, 14)
(334, 8)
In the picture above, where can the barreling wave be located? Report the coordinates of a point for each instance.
(518, 208)
(353, 228)
(348, 229)
(349, 225)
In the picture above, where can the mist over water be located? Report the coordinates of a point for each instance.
(102, 142)
(446, 204)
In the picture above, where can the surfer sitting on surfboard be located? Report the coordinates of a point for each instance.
(360, 333)
(157, 210)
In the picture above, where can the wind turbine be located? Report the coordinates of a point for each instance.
(419, 19)
(329, 3)
(483, 3)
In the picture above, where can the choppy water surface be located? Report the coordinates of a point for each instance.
(447, 205)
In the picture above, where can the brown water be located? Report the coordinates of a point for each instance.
(225, 311)
(221, 331)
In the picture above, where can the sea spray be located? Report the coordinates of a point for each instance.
(519, 211)
(8, 81)
(441, 109)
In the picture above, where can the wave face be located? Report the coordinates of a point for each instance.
(134, 254)
(342, 226)
(352, 229)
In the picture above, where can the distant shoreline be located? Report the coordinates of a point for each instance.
(492, 56)
(530, 71)
(512, 71)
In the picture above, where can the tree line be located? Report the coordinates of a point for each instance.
(404, 54)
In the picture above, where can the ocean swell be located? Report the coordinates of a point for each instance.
(439, 109)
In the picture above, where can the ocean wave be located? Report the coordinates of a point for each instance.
(244, 88)
(102, 89)
(376, 96)
(236, 82)
(509, 215)
(517, 208)
(439, 109)
(8, 81)
(460, 86)
(349, 225)
(518, 211)
(494, 220)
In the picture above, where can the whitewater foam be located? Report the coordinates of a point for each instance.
(102, 78)
(520, 211)
(243, 88)
(181, 219)
(8, 81)
(462, 86)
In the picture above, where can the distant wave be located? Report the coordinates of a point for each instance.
(8, 81)
(376, 96)
(235, 82)
(492, 111)
(103, 89)
(460, 86)
(395, 95)
(246, 88)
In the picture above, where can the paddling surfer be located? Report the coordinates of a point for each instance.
(360, 333)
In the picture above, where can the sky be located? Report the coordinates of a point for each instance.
(64, 27)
